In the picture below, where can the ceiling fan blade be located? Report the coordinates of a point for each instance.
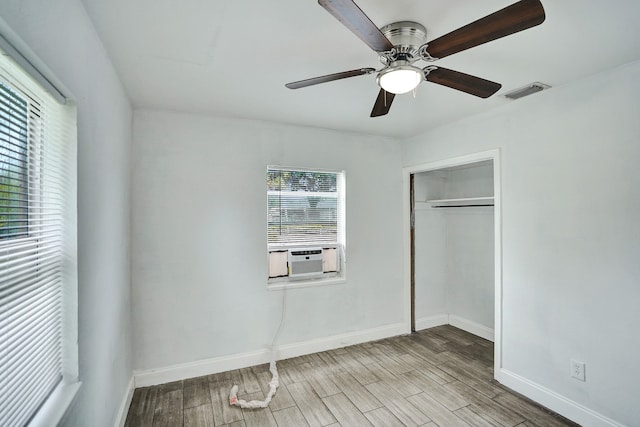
(463, 82)
(383, 103)
(517, 17)
(329, 78)
(352, 17)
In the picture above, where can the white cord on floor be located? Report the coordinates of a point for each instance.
(273, 384)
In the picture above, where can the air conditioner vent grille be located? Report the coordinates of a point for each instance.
(305, 263)
(527, 90)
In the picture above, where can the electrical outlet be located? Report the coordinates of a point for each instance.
(577, 370)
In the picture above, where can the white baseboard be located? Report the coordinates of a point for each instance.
(244, 360)
(554, 401)
(457, 321)
(124, 406)
(432, 321)
(472, 327)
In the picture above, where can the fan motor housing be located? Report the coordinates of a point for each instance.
(406, 36)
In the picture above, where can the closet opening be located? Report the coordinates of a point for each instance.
(453, 267)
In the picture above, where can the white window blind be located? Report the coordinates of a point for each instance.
(37, 240)
(305, 207)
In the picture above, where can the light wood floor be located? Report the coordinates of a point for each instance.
(436, 377)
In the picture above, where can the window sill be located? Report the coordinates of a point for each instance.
(56, 406)
(296, 284)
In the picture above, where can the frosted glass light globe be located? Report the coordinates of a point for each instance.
(400, 79)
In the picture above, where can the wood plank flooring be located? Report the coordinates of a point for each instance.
(437, 377)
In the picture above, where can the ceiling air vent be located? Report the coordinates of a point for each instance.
(527, 90)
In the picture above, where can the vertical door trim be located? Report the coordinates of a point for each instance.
(412, 224)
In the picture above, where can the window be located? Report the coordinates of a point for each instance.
(305, 218)
(14, 173)
(37, 246)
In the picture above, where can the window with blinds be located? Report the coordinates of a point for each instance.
(303, 207)
(37, 241)
(14, 172)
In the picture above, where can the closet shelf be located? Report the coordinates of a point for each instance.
(463, 202)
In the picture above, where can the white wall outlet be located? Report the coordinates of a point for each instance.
(577, 370)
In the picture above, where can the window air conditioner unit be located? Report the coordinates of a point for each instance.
(305, 263)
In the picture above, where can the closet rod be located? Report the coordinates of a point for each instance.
(461, 206)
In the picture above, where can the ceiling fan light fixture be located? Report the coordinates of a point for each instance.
(400, 44)
(400, 79)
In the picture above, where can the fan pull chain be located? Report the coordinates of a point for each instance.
(385, 98)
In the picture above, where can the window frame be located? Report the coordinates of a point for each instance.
(21, 75)
(327, 278)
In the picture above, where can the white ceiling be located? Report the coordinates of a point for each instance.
(233, 57)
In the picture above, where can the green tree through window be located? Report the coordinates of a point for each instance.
(14, 166)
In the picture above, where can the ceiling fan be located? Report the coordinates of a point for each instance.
(401, 44)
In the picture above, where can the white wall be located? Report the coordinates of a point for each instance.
(199, 237)
(470, 246)
(454, 271)
(470, 265)
(454, 266)
(571, 236)
(60, 33)
(431, 272)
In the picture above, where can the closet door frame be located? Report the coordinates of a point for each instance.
(409, 271)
